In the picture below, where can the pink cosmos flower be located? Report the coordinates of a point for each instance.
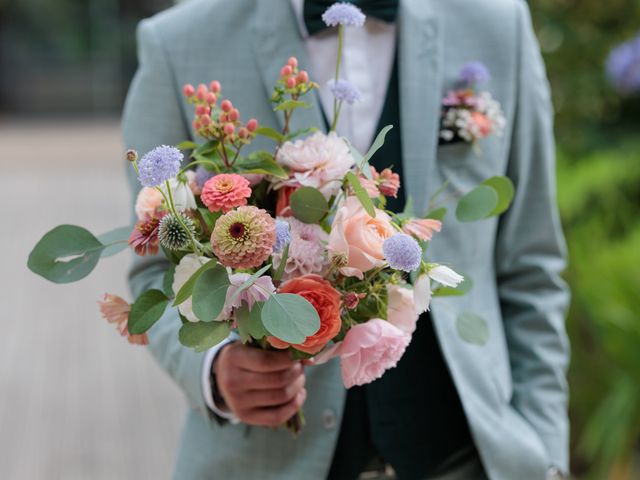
(320, 161)
(421, 228)
(367, 351)
(116, 310)
(225, 191)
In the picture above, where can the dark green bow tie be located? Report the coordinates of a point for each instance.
(381, 9)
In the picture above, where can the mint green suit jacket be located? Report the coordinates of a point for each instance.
(513, 389)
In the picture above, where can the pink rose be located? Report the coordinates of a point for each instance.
(369, 349)
(148, 202)
(401, 308)
(358, 238)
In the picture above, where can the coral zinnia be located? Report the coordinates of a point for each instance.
(244, 238)
(225, 191)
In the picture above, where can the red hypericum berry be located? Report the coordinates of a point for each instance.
(243, 133)
(252, 125)
(234, 115)
(202, 92)
(222, 117)
(207, 110)
(188, 90)
(291, 82)
(286, 71)
(215, 86)
(303, 76)
(226, 106)
(229, 129)
(205, 120)
(211, 98)
(293, 61)
(200, 110)
(196, 125)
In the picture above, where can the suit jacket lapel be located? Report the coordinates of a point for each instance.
(276, 37)
(420, 79)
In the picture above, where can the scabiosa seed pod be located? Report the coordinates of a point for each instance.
(172, 234)
(402, 252)
(132, 155)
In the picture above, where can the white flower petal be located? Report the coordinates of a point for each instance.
(445, 276)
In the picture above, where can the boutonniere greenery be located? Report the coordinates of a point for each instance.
(469, 114)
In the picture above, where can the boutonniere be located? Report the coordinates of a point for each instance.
(468, 114)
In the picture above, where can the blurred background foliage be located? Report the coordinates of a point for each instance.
(61, 57)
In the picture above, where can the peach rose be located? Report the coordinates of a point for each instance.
(358, 238)
(326, 300)
(148, 202)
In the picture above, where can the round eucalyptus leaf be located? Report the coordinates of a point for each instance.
(477, 204)
(210, 292)
(505, 190)
(290, 317)
(309, 205)
(472, 328)
(202, 336)
(146, 311)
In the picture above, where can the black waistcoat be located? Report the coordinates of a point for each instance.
(412, 416)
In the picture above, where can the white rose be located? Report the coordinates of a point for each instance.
(188, 265)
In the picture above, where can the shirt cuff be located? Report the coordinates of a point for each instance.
(207, 388)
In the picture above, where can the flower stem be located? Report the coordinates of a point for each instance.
(336, 105)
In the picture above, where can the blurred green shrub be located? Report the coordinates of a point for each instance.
(599, 198)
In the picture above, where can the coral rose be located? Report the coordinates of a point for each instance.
(148, 202)
(358, 238)
(326, 300)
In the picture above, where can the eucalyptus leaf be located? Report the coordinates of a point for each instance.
(472, 328)
(260, 162)
(206, 148)
(202, 336)
(462, 289)
(187, 289)
(377, 143)
(309, 205)
(271, 133)
(361, 193)
(65, 254)
(167, 281)
(505, 190)
(115, 240)
(242, 321)
(290, 317)
(255, 325)
(188, 145)
(291, 105)
(362, 164)
(210, 292)
(477, 204)
(146, 311)
(437, 214)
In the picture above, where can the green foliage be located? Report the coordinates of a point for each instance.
(260, 162)
(202, 336)
(210, 292)
(290, 317)
(117, 241)
(361, 193)
(309, 205)
(477, 204)
(187, 289)
(472, 328)
(65, 254)
(599, 199)
(146, 311)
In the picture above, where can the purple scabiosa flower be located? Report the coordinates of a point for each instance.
(283, 235)
(202, 175)
(623, 66)
(344, 91)
(402, 252)
(474, 72)
(160, 164)
(343, 14)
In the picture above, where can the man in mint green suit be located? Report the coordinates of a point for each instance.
(505, 401)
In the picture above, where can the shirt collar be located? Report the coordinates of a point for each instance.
(298, 7)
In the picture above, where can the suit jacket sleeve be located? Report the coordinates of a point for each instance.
(530, 257)
(153, 116)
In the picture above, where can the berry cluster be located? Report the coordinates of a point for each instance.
(213, 121)
(292, 82)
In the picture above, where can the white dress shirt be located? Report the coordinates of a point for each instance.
(367, 61)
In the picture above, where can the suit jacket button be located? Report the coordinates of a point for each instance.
(329, 419)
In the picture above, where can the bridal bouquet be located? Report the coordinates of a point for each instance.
(292, 248)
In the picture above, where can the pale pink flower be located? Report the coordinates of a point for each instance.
(148, 202)
(388, 183)
(320, 161)
(401, 308)
(369, 349)
(307, 252)
(358, 238)
(260, 291)
(370, 186)
(422, 228)
(115, 309)
(422, 293)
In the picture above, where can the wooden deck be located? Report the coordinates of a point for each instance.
(76, 401)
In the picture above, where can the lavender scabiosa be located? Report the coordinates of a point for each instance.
(474, 72)
(343, 14)
(402, 252)
(623, 66)
(344, 91)
(159, 165)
